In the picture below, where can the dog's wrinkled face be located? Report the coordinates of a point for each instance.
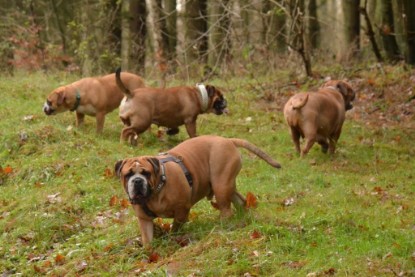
(55, 102)
(219, 103)
(138, 176)
(345, 89)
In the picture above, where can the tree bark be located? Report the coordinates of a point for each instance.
(409, 23)
(220, 33)
(196, 30)
(171, 29)
(352, 24)
(313, 26)
(138, 29)
(387, 30)
(125, 35)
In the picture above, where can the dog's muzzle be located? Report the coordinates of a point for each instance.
(349, 106)
(47, 109)
(138, 189)
(220, 106)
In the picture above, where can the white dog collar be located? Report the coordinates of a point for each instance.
(204, 96)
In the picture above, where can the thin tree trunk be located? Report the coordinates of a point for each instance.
(220, 33)
(125, 35)
(171, 29)
(313, 26)
(196, 30)
(370, 33)
(138, 35)
(409, 20)
(387, 30)
(352, 23)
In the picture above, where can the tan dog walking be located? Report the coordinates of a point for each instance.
(93, 96)
(319, 116)
(168, 107)
(168, 185)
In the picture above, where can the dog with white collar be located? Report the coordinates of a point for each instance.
(92, 96)
(319, 116)
(167, 107)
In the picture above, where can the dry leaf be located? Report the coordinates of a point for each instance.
(113, 201)
(59, 259)
(256, 234)
(251, 201)
(124, 203)
(108, 173)
(153, 257)
(8, 170)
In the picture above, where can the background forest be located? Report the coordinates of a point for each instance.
(160, 38)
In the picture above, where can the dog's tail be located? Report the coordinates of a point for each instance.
(254, 149)
(299, 101)
(120, 84)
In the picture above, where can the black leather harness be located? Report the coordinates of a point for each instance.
(163, 179)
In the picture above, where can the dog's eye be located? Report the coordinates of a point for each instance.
(146, 174)
(49, 103)
(128, 175)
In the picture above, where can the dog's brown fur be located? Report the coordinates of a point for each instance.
(98, 96)
(168, 107)
(319, 116)
(213, 162)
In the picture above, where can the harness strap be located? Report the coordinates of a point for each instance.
(179, 161)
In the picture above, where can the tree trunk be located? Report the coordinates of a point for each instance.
(171, 29)
(196, 30)
(125, 35)
(409, 23)
(352, 24)
(160, 38)
(313, 26)
(112, 9)
(138, 29)
(220, 33)
(387, 30)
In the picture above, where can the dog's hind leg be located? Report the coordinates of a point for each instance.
(295, 136)
(309, 142)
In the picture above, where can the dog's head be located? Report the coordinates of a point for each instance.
(55, 102)
(138, 176)
(345, 89)
(218, 103)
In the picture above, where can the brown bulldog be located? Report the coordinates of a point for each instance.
(168, 107)
(168, 185)
(90, 96)
(319, 116)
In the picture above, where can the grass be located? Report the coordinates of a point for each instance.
(61, 211)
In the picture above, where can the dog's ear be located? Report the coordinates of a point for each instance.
(61, 96)
(155, 164)
(118, 167)
(210, 90)
(342, 87)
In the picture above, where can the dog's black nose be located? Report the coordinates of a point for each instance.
(138, 181)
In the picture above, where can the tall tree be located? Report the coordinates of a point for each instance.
(387, 30)
(138, 29)
(160, 37)
(125, 35)
(409, 20)
(313, 26)
(352, 25)
(170, 14)
(196, 34)
(220, 45)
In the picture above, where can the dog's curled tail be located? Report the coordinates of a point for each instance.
(299, 101)
(120, 84)
(254, 149)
